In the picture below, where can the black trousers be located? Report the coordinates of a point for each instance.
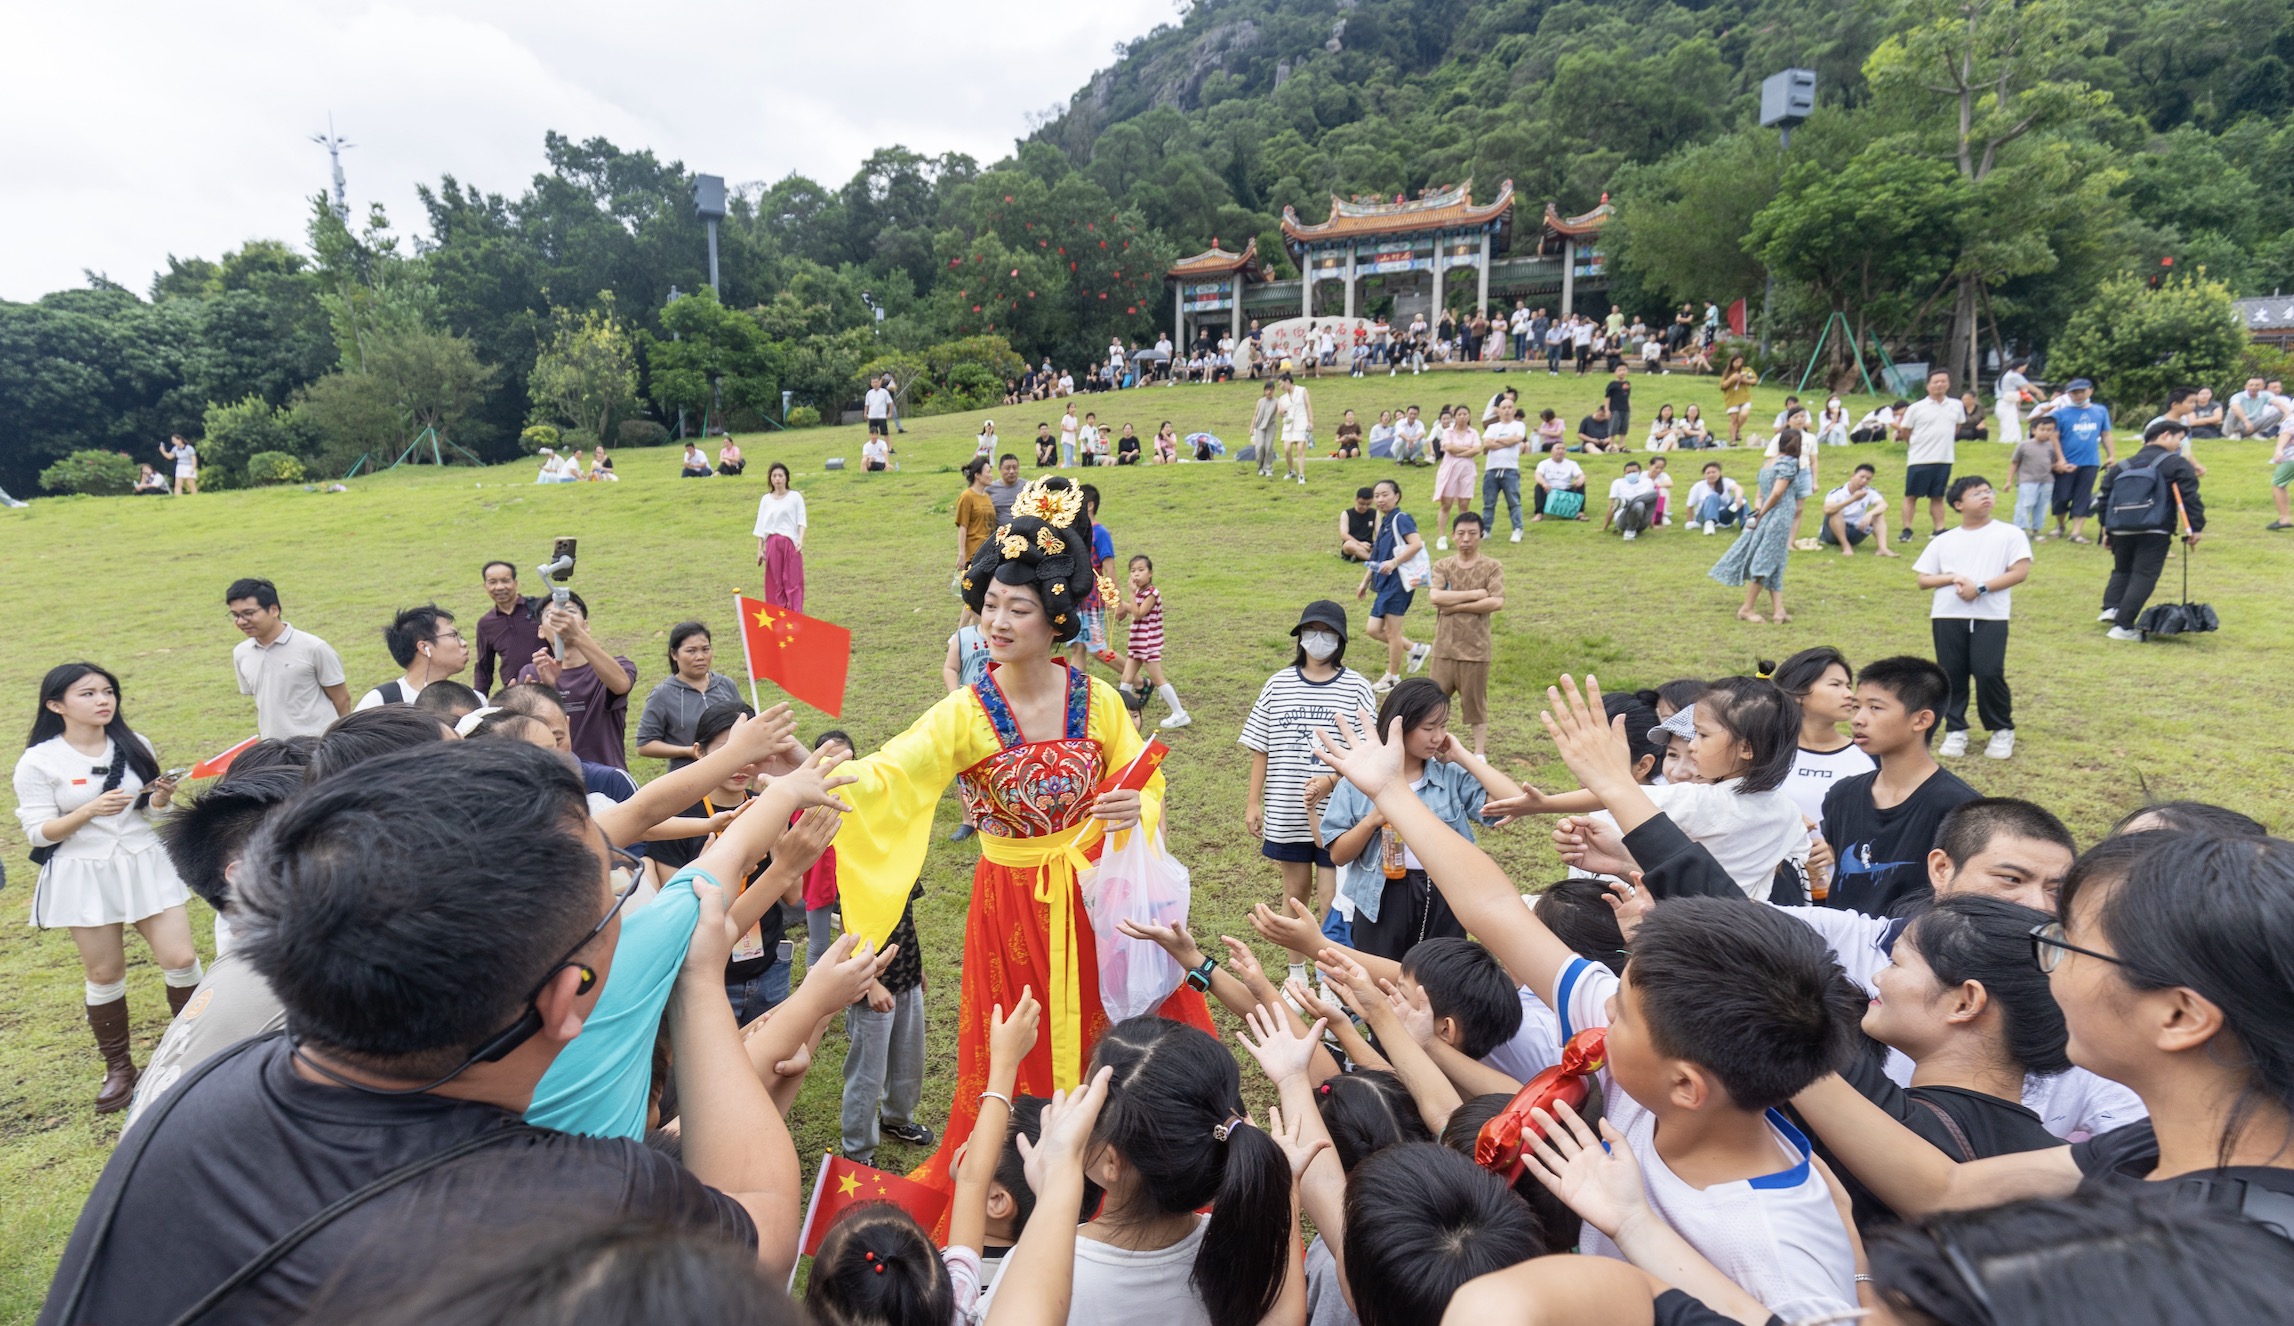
(1411, 909)
(1968, 648)
(2136, 560)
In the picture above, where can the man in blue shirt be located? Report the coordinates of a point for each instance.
(2085, 428)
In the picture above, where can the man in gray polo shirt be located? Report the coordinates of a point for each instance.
(296, 678)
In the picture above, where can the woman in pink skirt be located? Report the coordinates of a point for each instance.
(780, 540)
(1454, 481)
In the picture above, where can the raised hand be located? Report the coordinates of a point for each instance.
(1352, 747)
(1602, 1184)
(1297, 1147)
(1011, 1036)
(801, 844)
(1592, 746)
(1281, 1052)
(1311, 1003)
(1293, 928)
(1171, 939)
(816, 779)
(1065, 1130)
(1412, 1010)
(845, 971)
(768, 734)
(1593, 844)
(1243, 964)
(1631, 900)
(1339, 968)
(1504, 809)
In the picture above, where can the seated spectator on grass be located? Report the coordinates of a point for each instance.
(1714, 500)
(1410, 446)
(1358, 527)
(1593, 431)
(1632, 502)
(1167, 445)
(1854, 512)
(1557, 473)
(1977, 427)
(1664, 430)
(1880, 424)
(1349, 437)
(149, 481)
(1127, 446)
(2205, 418)
(446, 919)
(2254, 412)
(1693, 435)
(1381, 440)
(696, 463)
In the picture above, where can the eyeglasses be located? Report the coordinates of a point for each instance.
(2048, 947)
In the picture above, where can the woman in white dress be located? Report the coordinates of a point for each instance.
(780, 540)
(85, 790)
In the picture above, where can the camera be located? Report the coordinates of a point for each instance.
(559, 569)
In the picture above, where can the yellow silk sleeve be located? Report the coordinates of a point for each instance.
(880, 847)
(1112, 728)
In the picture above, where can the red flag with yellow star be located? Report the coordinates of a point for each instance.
(804, 656)
(844, 1184)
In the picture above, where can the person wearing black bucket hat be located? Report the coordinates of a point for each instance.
(1279, 733)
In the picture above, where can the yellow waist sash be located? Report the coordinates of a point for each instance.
(1056, 860)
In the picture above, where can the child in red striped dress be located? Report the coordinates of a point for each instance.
(1144, 606)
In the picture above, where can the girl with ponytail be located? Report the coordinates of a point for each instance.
(1174, 1138)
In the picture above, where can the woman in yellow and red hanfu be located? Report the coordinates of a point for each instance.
(1027, 748)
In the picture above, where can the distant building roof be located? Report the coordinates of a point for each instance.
(2268, 313)
(1581, 225)
(1215, 261)
(1436, 209)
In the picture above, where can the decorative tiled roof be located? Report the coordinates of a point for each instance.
(1581, 225)
(1437, 209)
(1215, 261)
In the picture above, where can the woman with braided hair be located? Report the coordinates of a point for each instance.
(1028, 747)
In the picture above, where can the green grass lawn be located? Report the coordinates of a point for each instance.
(137, 584)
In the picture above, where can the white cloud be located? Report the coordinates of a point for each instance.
(132, 131)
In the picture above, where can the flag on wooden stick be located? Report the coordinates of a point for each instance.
(804, 656)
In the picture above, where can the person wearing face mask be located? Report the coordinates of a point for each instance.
(425, 642)
(1280, 736)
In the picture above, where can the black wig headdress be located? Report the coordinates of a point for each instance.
(1046, 545)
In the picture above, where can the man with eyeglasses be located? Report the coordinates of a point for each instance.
(439, 929)
(425, 642)
(296, 678)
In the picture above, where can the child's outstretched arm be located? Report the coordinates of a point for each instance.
(1496, 784)
(1910, 1175)
(1595, 750)
(1484, 900)
(1386, 1012)
(1009, 1040)
(1039, 1283)
(1240, 984)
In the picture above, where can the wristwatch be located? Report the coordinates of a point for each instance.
(1199, 975)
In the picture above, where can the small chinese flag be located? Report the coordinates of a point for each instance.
(844, 1184)
(215, 765)
(804, 656)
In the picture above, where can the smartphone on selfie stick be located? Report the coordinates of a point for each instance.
(559, 569)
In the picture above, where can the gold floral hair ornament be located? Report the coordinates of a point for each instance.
(1052, 506)
(1106, 588)
(1012, 545)
(1051, 543)
(1060, 588)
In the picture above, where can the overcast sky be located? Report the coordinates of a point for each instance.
(130, 131)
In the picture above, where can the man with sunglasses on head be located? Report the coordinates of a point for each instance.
(438, 930)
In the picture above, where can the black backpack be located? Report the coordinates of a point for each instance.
(2141, 499)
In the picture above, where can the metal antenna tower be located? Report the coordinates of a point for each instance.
(334, 146)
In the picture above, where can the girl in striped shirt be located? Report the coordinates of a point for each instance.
(1144, 606)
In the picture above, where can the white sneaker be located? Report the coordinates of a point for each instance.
(1442, 544)
(1386, 681)
(2108, 615)
(1419, 653)
(1630, 536)
(1180, 719)
(2001, 745)
(1955, 744)
(1517, 534)
(1708, 527)
(2120, 633)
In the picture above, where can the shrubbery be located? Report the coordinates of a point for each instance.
(269, 467)
(96, 473)
(537, 436)
(641, 433)
(803, 416)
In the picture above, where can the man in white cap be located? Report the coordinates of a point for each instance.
(2084, 430)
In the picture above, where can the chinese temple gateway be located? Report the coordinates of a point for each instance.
(1398, 256)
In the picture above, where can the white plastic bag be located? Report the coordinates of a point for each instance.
(1138, 880)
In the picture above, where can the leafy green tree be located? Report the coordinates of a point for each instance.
(2138, 343)
(433, 379)
(351, 416)
(369, 288)
(711, 356)
(93, 473)
(586, 375)
(234, 433)
(1681, 223)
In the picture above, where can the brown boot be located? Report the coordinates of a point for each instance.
(177, 997)
(109, 1022)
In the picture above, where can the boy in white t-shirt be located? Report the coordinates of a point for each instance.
(1632, 501)
(1724, 1012)
(1973, 570)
